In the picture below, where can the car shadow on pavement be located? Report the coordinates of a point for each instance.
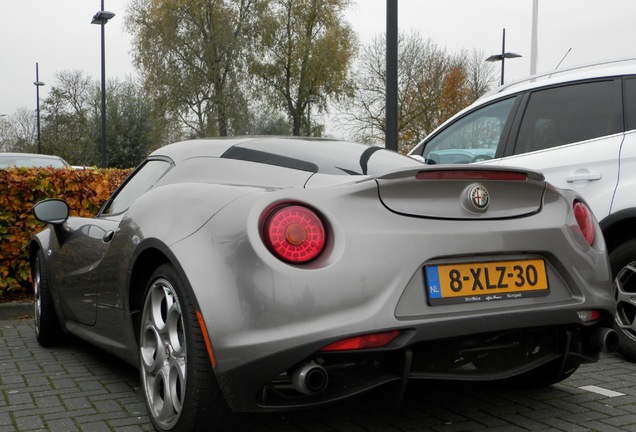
(427, 406)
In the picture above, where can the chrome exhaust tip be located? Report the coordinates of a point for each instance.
(604, 339)
(309, 378)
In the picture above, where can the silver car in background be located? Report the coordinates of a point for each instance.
(273, 273)
(31, 160)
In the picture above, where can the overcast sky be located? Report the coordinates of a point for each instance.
(58, 35)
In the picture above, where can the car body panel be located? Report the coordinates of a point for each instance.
(624, 191)
(273, 312)
(509, 199)
(78, 266)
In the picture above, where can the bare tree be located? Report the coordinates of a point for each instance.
(19, 131)
(481, 76)
(432, 84)
(5, 142)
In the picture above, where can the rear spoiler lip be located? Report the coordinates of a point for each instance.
(412, 172)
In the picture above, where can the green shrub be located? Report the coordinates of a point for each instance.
(85, 190)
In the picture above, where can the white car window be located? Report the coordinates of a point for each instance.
(630, 103)
(569, 114)
(474, 137)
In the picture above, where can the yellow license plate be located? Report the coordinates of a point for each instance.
(486, 281)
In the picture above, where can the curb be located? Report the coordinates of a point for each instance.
(16, 310)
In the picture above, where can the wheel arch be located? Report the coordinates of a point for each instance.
(40, 241)
(152, 254)
(37, 243)
(619, 227)
(34, 248)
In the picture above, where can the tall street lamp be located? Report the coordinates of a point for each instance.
(391, 105)
(503, 56)
(101, 18)
(37, 85)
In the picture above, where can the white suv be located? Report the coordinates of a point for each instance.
(578, 127)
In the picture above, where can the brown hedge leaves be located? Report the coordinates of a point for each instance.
(85, 190)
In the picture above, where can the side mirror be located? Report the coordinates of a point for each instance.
(52, 211)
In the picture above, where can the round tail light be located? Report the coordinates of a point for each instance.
(585, 221)
(294, 233)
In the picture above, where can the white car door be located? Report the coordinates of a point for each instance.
(573, 134)
(624, 197)
(588, 167)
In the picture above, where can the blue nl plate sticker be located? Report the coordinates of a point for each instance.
(432, 279)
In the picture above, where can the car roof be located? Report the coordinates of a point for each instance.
(601, 69)
(16, 156)
(38, 155)
(310, 154)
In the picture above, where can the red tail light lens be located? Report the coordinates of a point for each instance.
(375, 340)
(294, 234)
(585, 221)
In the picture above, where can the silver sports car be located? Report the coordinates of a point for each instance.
(268, 273)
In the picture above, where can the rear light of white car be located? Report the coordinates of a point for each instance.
(585, 221)
(293, 233)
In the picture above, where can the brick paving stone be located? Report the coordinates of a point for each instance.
(603, 427)
(64, 424)
(560, 424)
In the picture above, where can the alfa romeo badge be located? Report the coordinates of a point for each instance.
(479, 197)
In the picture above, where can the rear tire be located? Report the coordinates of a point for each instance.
(179, 386)
(622, 255)
(625, 321)
(48, 330)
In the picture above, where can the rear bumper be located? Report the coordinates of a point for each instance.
(266, 385)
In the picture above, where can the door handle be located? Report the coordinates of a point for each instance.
(584, 177)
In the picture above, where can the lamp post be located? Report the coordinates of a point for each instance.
(391, 105)
(37, 83)
(101, 18)
(503, 56)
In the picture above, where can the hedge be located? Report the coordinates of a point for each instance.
(85, 190)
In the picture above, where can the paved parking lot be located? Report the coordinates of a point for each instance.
(79, 388)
